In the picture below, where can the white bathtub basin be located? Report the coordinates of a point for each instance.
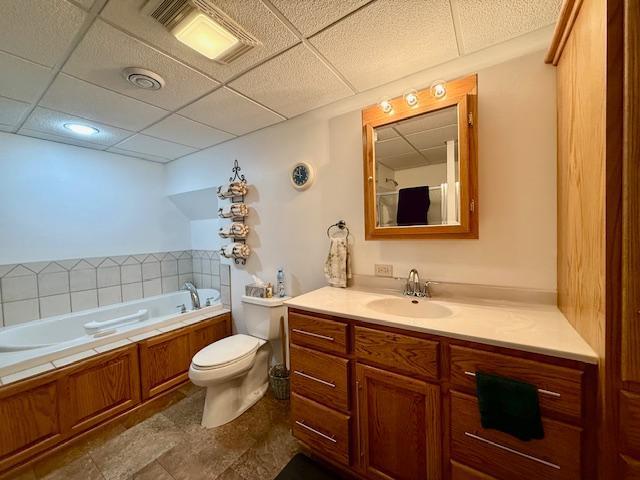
(69, 330)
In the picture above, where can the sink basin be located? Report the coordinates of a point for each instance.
(410, 307)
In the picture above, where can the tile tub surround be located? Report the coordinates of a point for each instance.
(30, 291)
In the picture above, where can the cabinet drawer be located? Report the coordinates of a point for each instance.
(320, 376)
(556, 456)
(323, 429)
(399, 352)
(311, 331)
(462, 472)
(559, 388)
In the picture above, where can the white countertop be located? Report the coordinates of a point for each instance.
(529, 327)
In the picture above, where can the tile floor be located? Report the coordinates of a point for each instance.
(170, 444)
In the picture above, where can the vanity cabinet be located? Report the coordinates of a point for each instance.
(399, 425)
(387, 403)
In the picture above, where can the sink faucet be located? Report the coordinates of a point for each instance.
(195, 298)
(413, 288)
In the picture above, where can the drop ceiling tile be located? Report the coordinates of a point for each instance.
(142, 156)
(309, 16)
(22, 79)
(70, 95)
(435, 154)
(385, 133)
(428, 121)
(11, 110)
(377, 44)
(485, 23)
(154, 146)
(105, 51)
(433, 138)
(252, 15)
(179, 129)
(38, 30)
(60, 139)
(393, 148)
(228, 111)
(407, 160)
(52, 122)
(292, 83)
(86, 4)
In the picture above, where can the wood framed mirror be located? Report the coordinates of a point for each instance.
(421, 163)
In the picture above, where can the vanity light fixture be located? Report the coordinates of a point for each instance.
(207, 37)
(81, 129)
(411, 97)
(438, 88)
(385, 106)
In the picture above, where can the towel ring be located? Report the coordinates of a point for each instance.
(341, 224)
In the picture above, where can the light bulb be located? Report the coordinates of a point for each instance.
(385, 106)
(438, 89)
(81, 129)
(411, 97)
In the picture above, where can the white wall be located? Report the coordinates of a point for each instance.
(425, 175)
(60, 201)
(517, 178)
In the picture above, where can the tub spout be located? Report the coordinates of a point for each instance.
(193, 292)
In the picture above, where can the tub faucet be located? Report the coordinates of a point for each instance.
(193, 291)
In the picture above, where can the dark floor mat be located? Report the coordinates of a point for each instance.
(302, 467)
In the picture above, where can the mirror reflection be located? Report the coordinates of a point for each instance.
(417, 170)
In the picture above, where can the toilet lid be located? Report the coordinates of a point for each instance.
(226, 351)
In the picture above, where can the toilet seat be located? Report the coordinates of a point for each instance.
(225, 352)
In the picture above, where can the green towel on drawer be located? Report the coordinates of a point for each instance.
(509, 406)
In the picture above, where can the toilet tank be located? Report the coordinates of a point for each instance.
(262, 316)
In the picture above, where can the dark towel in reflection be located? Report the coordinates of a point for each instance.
(413, 205)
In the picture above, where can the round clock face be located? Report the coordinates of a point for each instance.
(301, 176)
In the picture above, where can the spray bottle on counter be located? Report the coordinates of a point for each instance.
(280, 282)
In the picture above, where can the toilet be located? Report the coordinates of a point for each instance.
(235, 369)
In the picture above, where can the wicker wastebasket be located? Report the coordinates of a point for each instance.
(279, 381)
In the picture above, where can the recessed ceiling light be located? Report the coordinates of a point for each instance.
(81, 129)
(204, 35)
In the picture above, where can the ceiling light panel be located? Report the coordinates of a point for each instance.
(52, 122)
(292, 83)
(40, 31)
(485, 23)
(105, 52)
(252, 14)
(376, 45)
(70, 95)
(201, 33)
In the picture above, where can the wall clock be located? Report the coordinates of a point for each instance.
(302, 175)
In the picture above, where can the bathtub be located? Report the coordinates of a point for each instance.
(23, 346)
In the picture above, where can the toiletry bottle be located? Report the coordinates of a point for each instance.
(280, 279)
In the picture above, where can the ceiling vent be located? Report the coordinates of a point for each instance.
(141, 78)
(170, 13)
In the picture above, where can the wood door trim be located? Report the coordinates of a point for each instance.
(564, 25)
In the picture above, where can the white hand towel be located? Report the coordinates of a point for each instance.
(235, 230)
(337, 267)
(233, 189)
(236, 250)
(233, 210)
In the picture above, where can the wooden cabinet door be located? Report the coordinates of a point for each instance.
(164, 362)
(29, 419)
(100, 388)
(209, 331)
(399, 426)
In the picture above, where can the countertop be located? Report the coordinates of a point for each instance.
(536, 328)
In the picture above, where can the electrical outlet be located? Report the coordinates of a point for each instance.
(382, 270)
